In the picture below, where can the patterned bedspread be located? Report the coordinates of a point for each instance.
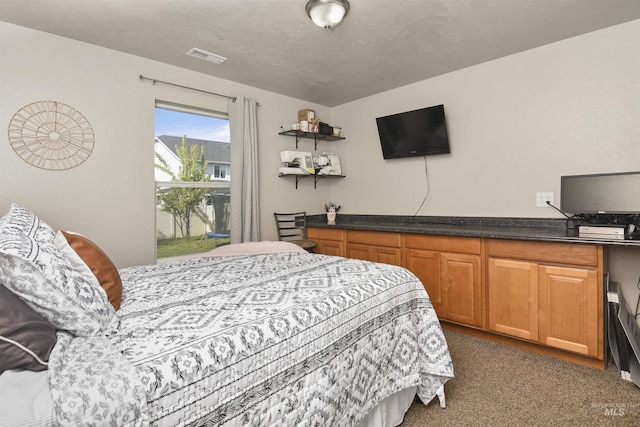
(277, 339)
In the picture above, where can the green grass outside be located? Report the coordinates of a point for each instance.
(187, 246)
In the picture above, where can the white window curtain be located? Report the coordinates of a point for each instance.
(245, 226)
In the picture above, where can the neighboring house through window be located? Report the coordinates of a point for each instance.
(217, 154)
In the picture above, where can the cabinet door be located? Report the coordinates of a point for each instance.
(329, 247)
(359, 252)
(570, 309)
(386, 255)
(513, 298)
(426, 266)
(461, 288)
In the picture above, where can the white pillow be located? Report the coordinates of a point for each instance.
(83, 269)
(25, 279)
(21, 221)
(24, 235)
(76, 262)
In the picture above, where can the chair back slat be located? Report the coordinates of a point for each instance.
(291, 226)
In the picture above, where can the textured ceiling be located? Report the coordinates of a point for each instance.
(273, 45)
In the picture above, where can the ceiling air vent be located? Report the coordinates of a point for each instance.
(207, 56)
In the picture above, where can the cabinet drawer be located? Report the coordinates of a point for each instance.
(564, 253)
(325, 233)
(378, 238)
(465, 245)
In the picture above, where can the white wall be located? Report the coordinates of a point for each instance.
(516, 125)
(110, 197)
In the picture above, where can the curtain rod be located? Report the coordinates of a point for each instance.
(233, 98)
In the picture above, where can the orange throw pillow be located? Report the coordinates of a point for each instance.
(100, 264)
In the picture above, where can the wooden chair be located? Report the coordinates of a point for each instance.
(292, 227)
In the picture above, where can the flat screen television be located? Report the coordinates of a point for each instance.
(608, 193)
(420, 132)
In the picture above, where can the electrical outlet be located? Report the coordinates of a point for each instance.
(543, 198)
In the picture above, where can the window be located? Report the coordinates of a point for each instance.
(220, 171)
(192, 174)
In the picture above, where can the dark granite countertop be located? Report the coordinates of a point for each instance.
(537, 229)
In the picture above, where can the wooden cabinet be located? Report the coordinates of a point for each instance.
(426, 266)
(461, 289)
(378, 246)
(570, 309)
(546, 297)
(450, 269)
(549, 293)
(513, 298)
(330, 241)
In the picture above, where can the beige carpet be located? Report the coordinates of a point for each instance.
(497, 385)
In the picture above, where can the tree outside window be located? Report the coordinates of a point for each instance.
(182, 202)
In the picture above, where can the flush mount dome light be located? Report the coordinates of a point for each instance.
(327, 13)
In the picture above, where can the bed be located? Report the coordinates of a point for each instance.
(248, 334)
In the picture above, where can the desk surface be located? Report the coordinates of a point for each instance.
(538, 229)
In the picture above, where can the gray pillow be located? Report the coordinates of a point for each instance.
(26, 339)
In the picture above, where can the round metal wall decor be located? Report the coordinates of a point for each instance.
(51, 135)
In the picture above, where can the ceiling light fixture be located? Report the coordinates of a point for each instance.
(327, 13)
(207, 56)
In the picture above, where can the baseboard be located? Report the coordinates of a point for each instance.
(528, 346)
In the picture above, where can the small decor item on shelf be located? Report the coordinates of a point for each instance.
(332, 210)
(314, 125)
(306, 115)
(325, 129)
